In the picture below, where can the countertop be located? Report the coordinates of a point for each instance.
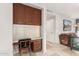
(14, 41)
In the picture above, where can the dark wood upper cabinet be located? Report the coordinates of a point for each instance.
(36, 16)
(28, 15)
(18, 13)
(23, 14)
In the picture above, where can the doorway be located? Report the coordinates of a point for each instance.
(50, 29)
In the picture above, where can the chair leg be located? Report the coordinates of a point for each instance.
(20, 52)
(29, 50)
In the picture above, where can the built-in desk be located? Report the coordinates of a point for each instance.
(36, 44)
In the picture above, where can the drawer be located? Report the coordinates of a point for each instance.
(35, 49)
(37, 40)
(36, 45)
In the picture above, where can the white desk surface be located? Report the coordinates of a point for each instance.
(14, 41)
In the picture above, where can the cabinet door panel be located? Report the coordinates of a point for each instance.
(18, 13)
(36, 45)
(37, 17)
(28, 15)
(23, 14)
(33, 16)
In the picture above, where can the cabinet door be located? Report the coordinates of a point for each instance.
(36, 45)
(33, 16)
(28, 15)
(18, 13)
(36, 16)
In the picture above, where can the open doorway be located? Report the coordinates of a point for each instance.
(50, 29)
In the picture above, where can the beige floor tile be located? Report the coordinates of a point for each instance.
(54, 50)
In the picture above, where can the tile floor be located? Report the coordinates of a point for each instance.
(60, 50)
(54, 50)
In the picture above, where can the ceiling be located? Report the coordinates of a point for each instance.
(67, 9)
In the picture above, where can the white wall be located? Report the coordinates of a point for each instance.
(59, 26)
(6, 29)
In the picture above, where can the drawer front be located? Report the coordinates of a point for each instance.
(36, 45)
(37, 40)
(35, 49)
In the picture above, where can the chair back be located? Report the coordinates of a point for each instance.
(24, 43)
